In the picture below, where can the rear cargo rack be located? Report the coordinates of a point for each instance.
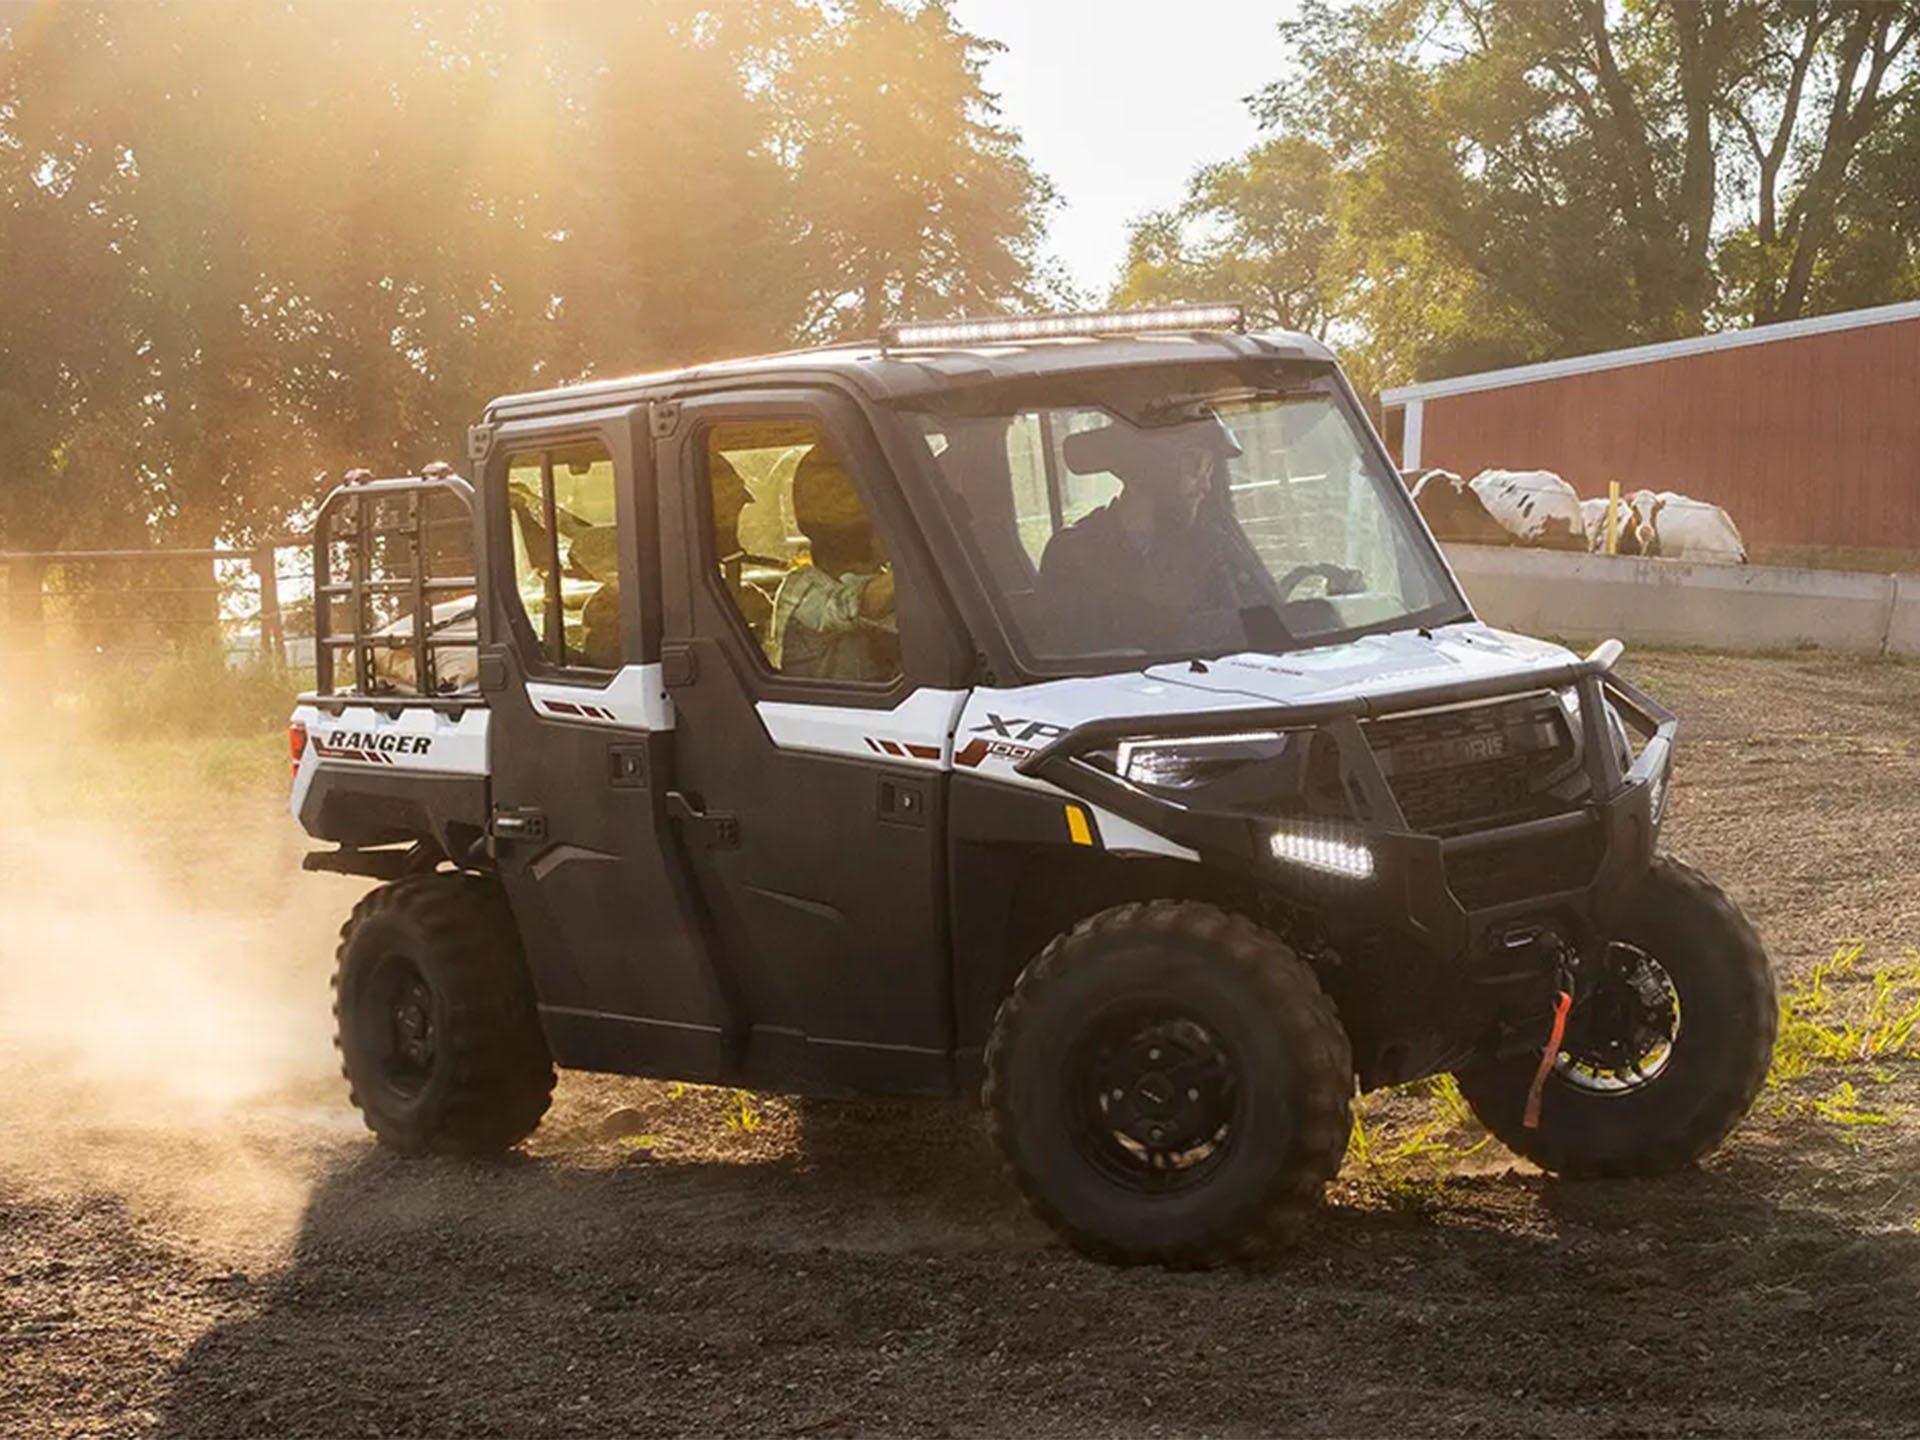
(358, 519)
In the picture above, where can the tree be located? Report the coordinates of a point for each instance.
(1259, 230)
(1836, 163)
(918, 201)
(248, 246)
(1512, 180)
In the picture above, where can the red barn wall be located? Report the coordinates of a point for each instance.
(1812, 441)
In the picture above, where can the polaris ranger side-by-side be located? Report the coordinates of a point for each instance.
(1072, 709)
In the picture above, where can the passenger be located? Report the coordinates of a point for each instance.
(1131, 574)
(834, 618)
(731, 497)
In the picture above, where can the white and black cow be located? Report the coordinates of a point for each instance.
(1683, 528)
(1666, 525)
(1502, 507)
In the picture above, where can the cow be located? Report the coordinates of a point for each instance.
(1628, 538)
(1678, 527)
(1666, 525)
(1502, 507)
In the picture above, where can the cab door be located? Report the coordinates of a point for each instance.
(581, 747)
(816, 685)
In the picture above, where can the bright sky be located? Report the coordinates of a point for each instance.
(1120, 100)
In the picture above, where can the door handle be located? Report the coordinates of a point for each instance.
(718, 829)
(523, 824)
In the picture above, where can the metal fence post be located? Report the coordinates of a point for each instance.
(273, 633)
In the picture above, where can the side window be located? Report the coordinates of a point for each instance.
(797, 554)
(565, 559)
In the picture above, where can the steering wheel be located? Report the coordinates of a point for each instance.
(1340, 580)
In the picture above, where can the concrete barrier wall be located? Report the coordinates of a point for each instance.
(1903, 621)
(1671, 602)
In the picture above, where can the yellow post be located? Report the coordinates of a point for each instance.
(1613, 517)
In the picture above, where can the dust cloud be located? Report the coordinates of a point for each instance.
(164, 1020)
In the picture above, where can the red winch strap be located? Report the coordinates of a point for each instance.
(1531, 1117)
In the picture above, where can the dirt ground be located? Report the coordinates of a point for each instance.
(196, 1238)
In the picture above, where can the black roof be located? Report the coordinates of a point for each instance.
(899, 372)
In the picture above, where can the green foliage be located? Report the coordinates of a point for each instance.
(197, 694)
(736, 1109)
(739, 1112)
(251, 245)
(1409, 1158)
(1499, 181)
(1258, 230)
(1836, 1017)
(1843, 1108)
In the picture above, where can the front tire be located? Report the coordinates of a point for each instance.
(1684, 941)
(1169, 1083)
(435, 1020)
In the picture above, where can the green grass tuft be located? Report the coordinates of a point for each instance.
(1838, 1017)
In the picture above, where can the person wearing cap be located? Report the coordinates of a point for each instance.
(1130, 574)
(834, 617)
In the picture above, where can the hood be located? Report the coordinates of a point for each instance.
(998, 728)
(1373, 665)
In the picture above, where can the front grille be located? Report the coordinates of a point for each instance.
(1524, 870)
(1474, 767)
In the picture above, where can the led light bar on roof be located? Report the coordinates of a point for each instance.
(1160, 318)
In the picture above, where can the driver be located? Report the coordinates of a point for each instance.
(1130, 574)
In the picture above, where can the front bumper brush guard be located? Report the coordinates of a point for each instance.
(1623, 804)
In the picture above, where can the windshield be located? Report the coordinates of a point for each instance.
(1128, 522)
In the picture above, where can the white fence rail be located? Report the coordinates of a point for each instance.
(1671, 602)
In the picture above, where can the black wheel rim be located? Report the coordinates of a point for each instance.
(1155, 1097)
(1623, 1032)
(401, 1023)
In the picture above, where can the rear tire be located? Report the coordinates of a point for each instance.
(435, 1021)
(1728, 1014)
(1169, 1083)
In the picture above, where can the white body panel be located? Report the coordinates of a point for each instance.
(1000, 728)
(917, 731)
(364, 737)
(635, 699)
(988, 731)
(984, 732)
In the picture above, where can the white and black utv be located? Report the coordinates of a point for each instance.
(1071, 708)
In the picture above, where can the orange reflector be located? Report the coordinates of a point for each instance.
(1077, 826)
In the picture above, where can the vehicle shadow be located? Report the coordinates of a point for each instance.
(885, 1280)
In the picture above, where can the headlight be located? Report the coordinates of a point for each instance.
(1187, 762)
(1323, 848)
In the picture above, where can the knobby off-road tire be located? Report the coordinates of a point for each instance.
(434, 1018)
(1728, 1016)
(1196, 981)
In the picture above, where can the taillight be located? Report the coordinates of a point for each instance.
(296, 745)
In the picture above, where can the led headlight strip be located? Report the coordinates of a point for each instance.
(1318, 848)
(1049, 327)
